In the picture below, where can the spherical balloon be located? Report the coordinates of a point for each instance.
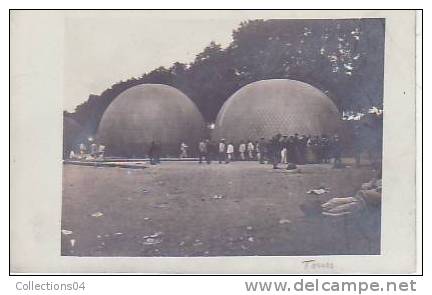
(147, 113)
(268, 107)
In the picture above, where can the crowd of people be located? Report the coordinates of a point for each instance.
(93, 152)
(280, 149)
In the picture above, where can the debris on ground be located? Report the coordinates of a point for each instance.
(318, 191)
(284, 221)
(66, 232)
(181, 243)
(72, 242)
(249, 227)
(146, 218)
(217, 197)
(198, 243)
(118, 234)
(143, 190)
(251, 239)
(152, 239)
(97, 214)
(155, 235)
(162, 205)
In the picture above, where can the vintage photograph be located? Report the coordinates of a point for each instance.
(222, 136)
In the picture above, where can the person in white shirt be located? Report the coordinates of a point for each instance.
(229, 152)
(83, 149)
(101, 151)
(284, 151)
(221, 150)
(242, 150)
(183, 150)
(250, 149)
(72, 155)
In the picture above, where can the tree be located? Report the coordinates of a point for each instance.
(344, 58)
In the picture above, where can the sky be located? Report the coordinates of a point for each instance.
(102, 49)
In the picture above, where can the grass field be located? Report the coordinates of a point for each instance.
(187, 209)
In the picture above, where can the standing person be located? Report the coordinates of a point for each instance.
(221, 150)
(183, 150)
(275, 150)
(229, 152)
(284, 142)
(101, 152)
(325, 148)
(83, 149)
(290, 150)
(258, 151)
(242, 150)
(297, 149)
(202, 150)
(303, 145)
(250, 149)
(72, 155)
(261, 150)
(316, 148)
(337, 152)
(93, 150)
(210, 151)
(290, 153)
(309, 151)
(357, 145)
(158, 152)
(153, 153)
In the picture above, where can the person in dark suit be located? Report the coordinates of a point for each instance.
(154, 153)
(275, 150)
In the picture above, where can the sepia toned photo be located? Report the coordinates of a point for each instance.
(214, 142)
(267, 144)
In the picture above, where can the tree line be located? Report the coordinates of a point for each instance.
(344, 58)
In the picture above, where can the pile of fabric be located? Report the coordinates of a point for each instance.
(368, 196)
